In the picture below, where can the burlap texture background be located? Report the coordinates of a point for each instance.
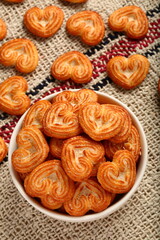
(139, 218)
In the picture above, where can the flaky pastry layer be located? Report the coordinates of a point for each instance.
(128, 72)
(130, 19)
(72, 65)
(44, 22)
(13, 99)
(88, 25)
(21, 53)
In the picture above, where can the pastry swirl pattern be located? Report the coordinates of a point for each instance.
(32, 149)
(60, 121)
(13, 99)
(72, 65)
(89, 195)
(49, 182)
(44, 22)
(3, 149)
(76, 99)
(88, 25)
(79, 155)
(132, 144)
(119, 175)
(100, 121)
(130, 19)
(36, 113)
(20, 53)
(128, 72)
(3, 29)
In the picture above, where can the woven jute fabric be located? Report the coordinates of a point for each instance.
(139, 218)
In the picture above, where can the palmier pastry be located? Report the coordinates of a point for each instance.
(44, 23)
(130, 19)
(88, 25)
(76, 99)
(60, 121)
(132, 144)
(55, 146)
(76, 1)
(72, 65)
(119, 175)
(100, 121)
(20, 53)
(49, 182)
(32, 149)
(126, 127)
(3, 29)
(36, 113)
(89, 195)
(79, 155)
(13, 99)
(3, 149)
(128, 72)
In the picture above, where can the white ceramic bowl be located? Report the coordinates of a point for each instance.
(103, 98)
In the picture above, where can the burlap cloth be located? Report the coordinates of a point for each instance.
(139, 218)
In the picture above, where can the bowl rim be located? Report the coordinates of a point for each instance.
(90, 217)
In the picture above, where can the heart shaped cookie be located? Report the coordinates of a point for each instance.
(132, 144)
(60, 121)
(44, 23)
(76, 99)
(89, 195)
(119, 175)
(79, 155)
(13, 99)
(128, 72)
(36, 113)
(100, 121)
(49, 182)
(88, 25)
(55, 146)
(32, 149)
(3, 29)
(130, 19)
(72, 65)
(20, 53)
(3, 149)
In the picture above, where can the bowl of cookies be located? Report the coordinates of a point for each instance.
(78, 155)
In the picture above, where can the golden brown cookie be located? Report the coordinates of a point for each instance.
(128, 72)
(3, 149)
(76, 99)
(96, 166)
(55, 146)
(130, 19)
(13, 99)
(132, 144)
(3, 29)
(20, 53)
(119, 175)
(32, 149)
(79, 155)
(60, 121)
(100, 121)
(89, 195)
(44, 22)
(72, 65)
(36, 113)
(49, 182)
(88, 25)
